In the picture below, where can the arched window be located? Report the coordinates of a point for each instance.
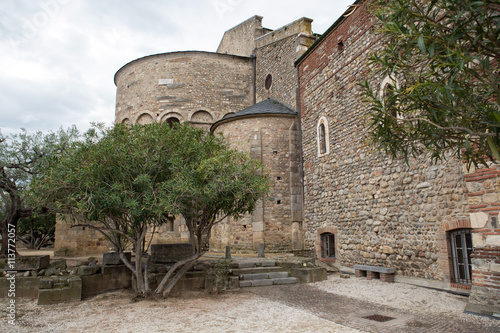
(202, 117)
(323, 140)
(387, 88)
(172, 120)
(145, 118)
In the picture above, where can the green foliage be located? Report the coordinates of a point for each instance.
(37, 230)
(219, 274)
(23, 158)
(442, 60)
(125, 179)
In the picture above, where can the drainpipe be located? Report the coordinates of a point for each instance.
(254, 57)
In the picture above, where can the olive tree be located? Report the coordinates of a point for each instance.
(441, 58)
(24, 157)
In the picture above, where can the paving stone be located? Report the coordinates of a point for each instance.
(349, 312)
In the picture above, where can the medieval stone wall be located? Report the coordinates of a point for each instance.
(276, 53)
(198, 87)
(381, 211)
(78, 241)
(240, 40)
(267, 138)
(484, 203)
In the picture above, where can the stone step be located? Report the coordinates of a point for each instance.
(267, 282)
(262, 276)
(252, 264)
(285, 280)
(256, 270)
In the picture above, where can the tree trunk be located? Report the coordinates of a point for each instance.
(14, 211)
(177, 277)
(171, 271)
(7, 224)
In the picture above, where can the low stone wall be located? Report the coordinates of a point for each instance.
(23, 287)
(111, 278)
(55, 290)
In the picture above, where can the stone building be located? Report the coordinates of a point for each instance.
(292, 100)
(269, 130)
(222, 92)
(435, 224)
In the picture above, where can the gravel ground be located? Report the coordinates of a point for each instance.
(398, 295)
(267, 309)
(237, 311)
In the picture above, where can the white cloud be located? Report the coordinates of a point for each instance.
(59, 57)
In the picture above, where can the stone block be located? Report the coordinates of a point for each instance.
(233, 282)
(246, 264)
(113, 258)
(170, 253)
(288, 280)
(244, 284)
(29, 263)
(258, 276)
(478, 220)
(493, 240)
(45, 284)
(386, 270)
(87, 270)
(26, 287)
(58, 264)
(261, 283)
(278, 275)
(309, 274)
(268, 263)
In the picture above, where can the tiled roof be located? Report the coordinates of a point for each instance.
(268, 106)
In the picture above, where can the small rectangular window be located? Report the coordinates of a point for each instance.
(328, 245)
(461, 249)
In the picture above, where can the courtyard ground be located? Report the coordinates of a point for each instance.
(335, 305)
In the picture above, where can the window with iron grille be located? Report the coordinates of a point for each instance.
(328, 245)
(461, 249)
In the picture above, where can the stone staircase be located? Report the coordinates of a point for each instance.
(261, 273)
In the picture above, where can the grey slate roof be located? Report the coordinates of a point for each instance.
(268, 106)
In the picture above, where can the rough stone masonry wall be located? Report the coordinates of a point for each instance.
(240, 40)
(484, 203)
(266, 138)
(198, 87)
(73, 242)
(276, 53)
(381, 211)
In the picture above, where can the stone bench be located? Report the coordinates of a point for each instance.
(385, 274)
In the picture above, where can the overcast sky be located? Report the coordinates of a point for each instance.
(58, 57)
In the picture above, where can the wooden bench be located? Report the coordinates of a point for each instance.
(385, 274)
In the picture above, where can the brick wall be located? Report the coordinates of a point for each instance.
(484, 202)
